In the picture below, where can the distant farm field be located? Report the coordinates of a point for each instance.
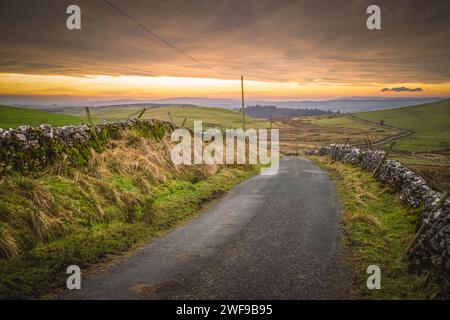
(210, 116)
(345, 122)
(11, 117)
(426, 150)
(429, 122)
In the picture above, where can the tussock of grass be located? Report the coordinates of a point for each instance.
(129, 193)
(377, 230)
(43, 225)
(366, 218)
(134, 138)
(36, 192)
(8, 245)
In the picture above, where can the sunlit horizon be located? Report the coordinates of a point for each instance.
(163, 87)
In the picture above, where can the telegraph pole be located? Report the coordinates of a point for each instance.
(243, 106)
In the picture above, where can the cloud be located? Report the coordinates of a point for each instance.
(268, 40)
(402, 89)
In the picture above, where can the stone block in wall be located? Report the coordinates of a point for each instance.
(431, 251)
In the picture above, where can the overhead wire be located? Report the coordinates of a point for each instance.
(160, 38)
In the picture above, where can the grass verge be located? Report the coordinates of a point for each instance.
(377, 230)
(127, 194)
(43, 268)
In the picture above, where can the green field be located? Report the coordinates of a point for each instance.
(345, 122)
(426, 151)
(430, 123)
(209, 116)
(11, 117)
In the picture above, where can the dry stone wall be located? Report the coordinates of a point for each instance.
(430, 252)
(28, 149)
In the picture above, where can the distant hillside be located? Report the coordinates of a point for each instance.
(430, 123)
(11, 117)
(347, 104)
(80, 111)
(272, 112)
(216, 117)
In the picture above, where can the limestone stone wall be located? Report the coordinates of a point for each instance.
(26, 149)
(431, 251)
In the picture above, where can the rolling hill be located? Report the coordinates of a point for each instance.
(11, 117)
(210, 116)
(345, 104)
(426, 150)
(429, 122)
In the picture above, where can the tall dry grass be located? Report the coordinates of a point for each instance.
(62, 199)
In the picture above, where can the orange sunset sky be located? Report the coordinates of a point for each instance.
(285, 49)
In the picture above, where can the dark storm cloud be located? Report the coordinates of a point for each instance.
(264, 39)
(402, 89)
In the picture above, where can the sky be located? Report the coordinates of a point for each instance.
(285, 49)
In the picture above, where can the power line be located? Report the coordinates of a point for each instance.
(167, 43)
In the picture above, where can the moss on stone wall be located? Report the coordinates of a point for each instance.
(27, 149)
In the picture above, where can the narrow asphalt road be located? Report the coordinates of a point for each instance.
(271, 237)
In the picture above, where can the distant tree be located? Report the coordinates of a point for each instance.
(382, 121)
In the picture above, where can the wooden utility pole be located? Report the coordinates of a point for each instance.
(243, 106)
